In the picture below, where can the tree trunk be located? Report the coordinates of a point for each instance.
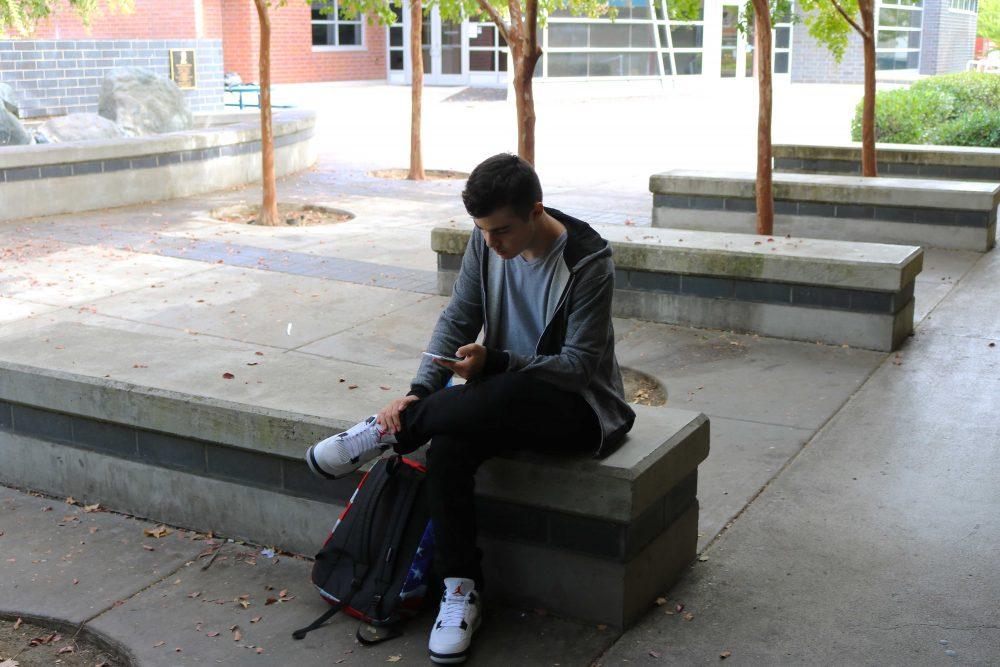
(416, 90)
(762, 51)
(524, 72)
(269, 206)
(868, 167)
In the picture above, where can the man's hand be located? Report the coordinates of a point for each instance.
(473, 358)
(388, 417)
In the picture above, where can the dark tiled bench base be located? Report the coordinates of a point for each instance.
(147, 161)
(546, 528)
(736, 289)
(925, 216)
(885, 168)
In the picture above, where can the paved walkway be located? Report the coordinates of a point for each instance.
(848, 507)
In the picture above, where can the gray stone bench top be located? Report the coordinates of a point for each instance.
(212, 130)
(959, 156)
(301, 401)
(836, 188)
(870, 266)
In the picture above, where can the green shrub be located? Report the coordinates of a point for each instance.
(951, 109)
(905, 116)
(972, 90)
(979, 128)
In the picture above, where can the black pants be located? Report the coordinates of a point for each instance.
(468, 424)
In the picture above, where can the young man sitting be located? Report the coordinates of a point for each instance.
(539, 284)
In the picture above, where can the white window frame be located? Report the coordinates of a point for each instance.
(333, 18)
(971, 7)
(878, 28)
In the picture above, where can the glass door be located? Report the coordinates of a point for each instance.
(444, 45)
(736, 60)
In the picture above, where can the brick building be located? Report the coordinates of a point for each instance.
(60, 67)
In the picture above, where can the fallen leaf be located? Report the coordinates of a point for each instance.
(194, 595)
(148, 548)
(725, 654)
(679, 608)
(17, 623)
(212, 634)
(688, 616)
(158, 532)
(352, 386)
(259, 650)
(661, 601)
(65, 649)
(270, 601)
(237, 635)
(655, 654)
(92, 529)
(244, 604)
(702, 559)
(394, 658)
(159, 644)
(228, 376)
(96, 507)
(602, 626)
(76, 581)
(71, 501)
(255, 619)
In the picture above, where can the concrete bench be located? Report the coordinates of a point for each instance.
(961, 163)
(596, 540)
(913, 211)
(860, 294)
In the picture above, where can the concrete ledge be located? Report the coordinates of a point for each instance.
(965, 163)
(860, 294)
(938, 213)
(585, 516)
(223, 152)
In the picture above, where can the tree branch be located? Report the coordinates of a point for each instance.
(496, 18)
(514, 6)
(854, 24)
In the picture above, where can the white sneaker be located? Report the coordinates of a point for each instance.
(457, 619)
(345, 452)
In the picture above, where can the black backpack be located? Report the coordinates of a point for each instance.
(375, 564)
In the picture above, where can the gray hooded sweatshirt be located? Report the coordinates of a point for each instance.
(576, 351)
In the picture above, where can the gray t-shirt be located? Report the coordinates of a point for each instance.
(525, 298)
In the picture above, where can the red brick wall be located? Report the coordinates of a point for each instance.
(150, 19)
(240, 37)
(292, 57)
(235, 22)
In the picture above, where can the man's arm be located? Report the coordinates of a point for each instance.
(458, 324)
(587, 334)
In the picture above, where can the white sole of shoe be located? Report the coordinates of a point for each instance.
(452, 658)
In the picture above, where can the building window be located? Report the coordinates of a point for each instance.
(331, 28)
(396, 58)
(965, 6)
(781, 44)
(639, 42)
(487, 48)
(897, 38)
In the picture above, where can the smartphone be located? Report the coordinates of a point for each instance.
(445, 357)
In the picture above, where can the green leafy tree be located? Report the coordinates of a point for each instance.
(830, 22)
(989, 20)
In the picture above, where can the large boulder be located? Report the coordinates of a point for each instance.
(141, 102)
(7, 98)
(12, 133)
(80, 127)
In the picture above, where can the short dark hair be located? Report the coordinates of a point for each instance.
(502, 180)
